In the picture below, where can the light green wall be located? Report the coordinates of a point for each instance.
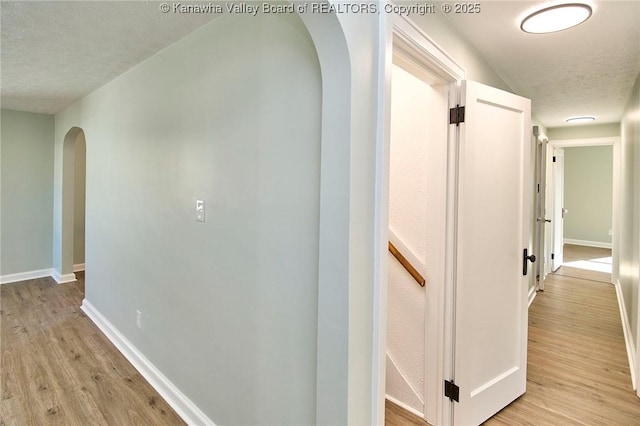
(588, 192)
(186, 93)
(27, 148)
(583, 132)
(230, 115)
(146, 155)
(629, 237)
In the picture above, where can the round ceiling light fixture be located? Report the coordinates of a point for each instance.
(556, 18)
(580, 120)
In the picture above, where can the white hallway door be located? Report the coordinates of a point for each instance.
(558, 208)
(492, 230)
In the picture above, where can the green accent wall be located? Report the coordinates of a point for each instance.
(588, 192)
(26, 202)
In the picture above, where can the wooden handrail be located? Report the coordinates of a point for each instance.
(407, 265)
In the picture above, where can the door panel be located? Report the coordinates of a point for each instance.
(548, 199)
(493, 223)
(540, 212)
(558, 209)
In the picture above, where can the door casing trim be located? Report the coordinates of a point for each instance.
(401, 32)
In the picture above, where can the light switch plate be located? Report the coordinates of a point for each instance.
(200, 210)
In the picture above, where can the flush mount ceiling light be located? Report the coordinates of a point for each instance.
(580, 120)
(556, 18)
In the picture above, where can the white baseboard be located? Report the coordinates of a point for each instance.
(182, 405)
(405, 406)
(628, 337)
(398, 389)
(61, 279)
(586, 243)
(78, 268)
(532, 295)
(23, 276)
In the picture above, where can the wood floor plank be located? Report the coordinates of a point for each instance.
(397, 416)
(57, 368)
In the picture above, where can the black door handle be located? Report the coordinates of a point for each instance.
(525, 258)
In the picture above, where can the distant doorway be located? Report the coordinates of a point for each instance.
(582, 199)
(72, 249)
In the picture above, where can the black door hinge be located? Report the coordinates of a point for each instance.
(451, 390)
(456, 115)
(554, 158)
(553, 256)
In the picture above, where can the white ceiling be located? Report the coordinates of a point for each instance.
(54, 53)
(586, 70)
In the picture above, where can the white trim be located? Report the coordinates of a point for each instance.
(62, 279)
(586, 243)
(532, 295)
(403, 390)
(405, 406)
(182, 405)
(567, 143)
(79, 267)
(428, 54)
(628, 336)
(23, 276)
(381, 224)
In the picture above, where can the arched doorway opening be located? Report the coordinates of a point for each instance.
(73, 206)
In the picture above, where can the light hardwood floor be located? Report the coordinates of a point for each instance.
(578, 373)
(573, 252)
(397, 416)
(590, 256)
(57, 368)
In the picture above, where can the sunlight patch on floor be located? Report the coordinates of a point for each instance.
(602, 264)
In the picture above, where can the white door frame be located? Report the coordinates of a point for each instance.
(438, 64)
(557, 211)
(606, 141)
(549, 209)
(539, 227)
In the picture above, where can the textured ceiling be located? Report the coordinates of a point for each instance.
(54, 53)
(586, 70)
